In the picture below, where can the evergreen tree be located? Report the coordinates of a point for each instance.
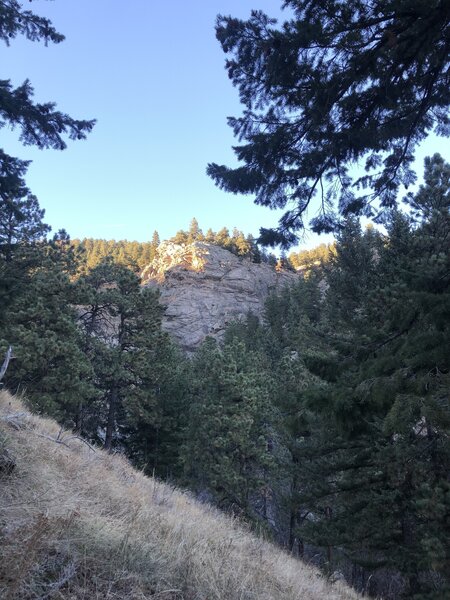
(241, 244)
(195, 234)
(41, 326)
(134, 255)
(350, 271)
(222, 238)
(155, 420)
(39, 124)
(308, 260)
(359, 371)
(378, 457)
(210, 236)
(138, 372)
(154, 246)
(21, 226)
(34, 284)
(254, 251)
(227, 449)
(282, 346)
(181, 237)
(337, 83)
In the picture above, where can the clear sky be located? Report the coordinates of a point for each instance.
(152, 74)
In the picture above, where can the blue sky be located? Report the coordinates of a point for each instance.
(152, 74)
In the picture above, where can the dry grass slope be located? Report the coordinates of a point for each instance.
(81, 524)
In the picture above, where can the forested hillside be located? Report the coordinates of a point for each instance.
(138, 255)
(324, 425)
(108, 531)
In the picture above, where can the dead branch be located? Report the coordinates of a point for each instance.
(52, 439)
(77, 437)
(14, 420)
(63, 441)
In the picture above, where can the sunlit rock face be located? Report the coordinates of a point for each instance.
(204, 287)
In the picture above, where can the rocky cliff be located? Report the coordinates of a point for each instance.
(205, 287)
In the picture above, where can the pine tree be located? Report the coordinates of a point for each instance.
(154, 245)
(181, 237)
(227, 449)
(155, 419)
(309, 260)
(379, 432)
(255, 252)
(350, 272)
(281, 347)
(107, 320)
(195, 234)
(21, 227)
(210, 236)
(241, 244)
(138, 372)
(39, 124)
(335, 84)
(222, 238)
(34, 284)
(41, 326)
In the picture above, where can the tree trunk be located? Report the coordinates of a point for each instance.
(292, 525)
(4, 367)
(79, 418)
(328, 515)
(111, 423)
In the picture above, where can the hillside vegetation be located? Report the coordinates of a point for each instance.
(80, 523)
(138, 255)
(325, 424)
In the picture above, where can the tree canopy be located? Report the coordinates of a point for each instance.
(338, 85)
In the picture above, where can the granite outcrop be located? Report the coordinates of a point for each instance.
(204, 287)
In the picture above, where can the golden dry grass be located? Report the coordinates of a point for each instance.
(77, 524)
